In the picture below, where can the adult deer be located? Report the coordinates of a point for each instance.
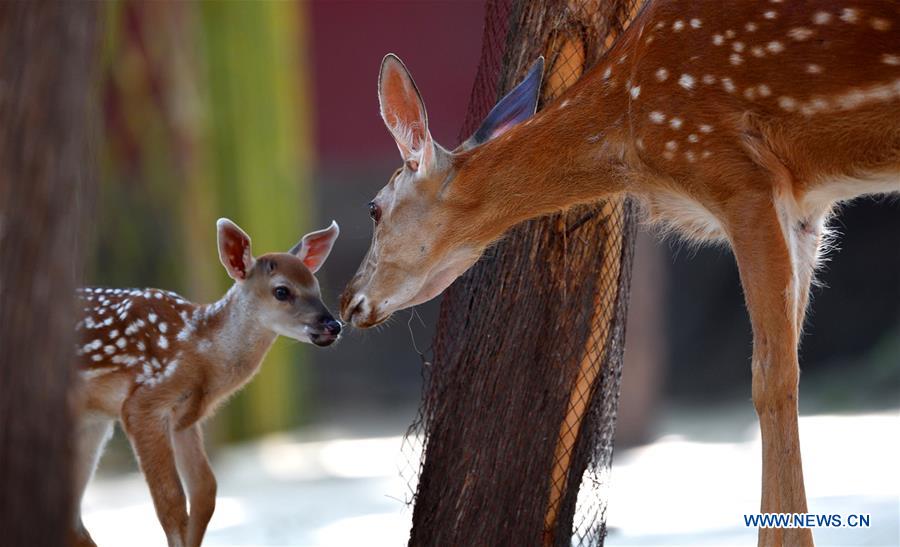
(161, 365)
(744, 124)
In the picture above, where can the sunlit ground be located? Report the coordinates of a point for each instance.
(690, 487)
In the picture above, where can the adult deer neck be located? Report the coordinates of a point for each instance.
(574, 151)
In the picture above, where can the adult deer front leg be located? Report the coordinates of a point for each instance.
(193, 465)
(770, 278)
(148, 429)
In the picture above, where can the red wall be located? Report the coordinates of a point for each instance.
(440, 43)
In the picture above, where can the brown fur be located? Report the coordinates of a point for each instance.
(741, 123)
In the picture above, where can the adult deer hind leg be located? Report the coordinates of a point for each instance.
(770, 243)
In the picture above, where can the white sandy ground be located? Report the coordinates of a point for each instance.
(689, 487)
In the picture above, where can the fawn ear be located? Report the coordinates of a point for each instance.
(315, 247)
(234, 249)
(404, 114)
(516, 107)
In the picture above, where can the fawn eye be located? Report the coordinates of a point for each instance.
(281, 293)
(374, 211)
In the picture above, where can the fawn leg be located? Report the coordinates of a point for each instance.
(148, 431)
(193, 465)
(92, 436)
(771, 288)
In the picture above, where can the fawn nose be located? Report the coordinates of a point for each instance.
(331, 326)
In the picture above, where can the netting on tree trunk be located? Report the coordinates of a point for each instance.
(518, 411)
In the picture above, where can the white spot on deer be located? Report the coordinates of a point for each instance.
(607, 73)
(763, 90)
(787, 103)
(158, 295)
(657, 117)
(821, 18)
(892, 60)
(751, 27)
(152, 316)
(849, 15)
(757, 51)
(97, 357)
(729, 34)
(879, 23)
(735, 59)
(718, 39)
(771, 14)
(706, 128)
(737, 46)
(113, 333)
(709, 79)
(728, 85)
(813, 68)
(163, 327)
(108, 322)
(672, 146)
(689, 155)
(705, 154)
(686, 81)
(635, 92)
(696, 23)
(661, 74)
(141, 346)
(121, 342)
(750, 93)
(678, 25)
(675, 123)
(693, 138)
(800, 34)
(163, 342)
(109, 349)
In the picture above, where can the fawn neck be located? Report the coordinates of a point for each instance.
(234, 333)
(574, 151)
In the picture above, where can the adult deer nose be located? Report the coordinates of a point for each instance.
(352, 305)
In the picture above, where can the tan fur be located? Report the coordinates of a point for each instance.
(160, 365)
(743, 124)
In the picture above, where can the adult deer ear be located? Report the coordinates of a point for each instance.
(404, 114)
(516, 107)
(315, 247)
(234, 249)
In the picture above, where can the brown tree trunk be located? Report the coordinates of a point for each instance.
(46, 52)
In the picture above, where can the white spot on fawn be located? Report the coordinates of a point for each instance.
(849, 15)
(775, 47)
(693, 138)
(763, 90)
(888, 59)
(728, 85)
(678, 25)
(163, 342)
(771, 14)
(757, 51)
(821, 18)
(705, 128)
(880, 24)
(800, 33)
(696, 23)
(709, 79)
(718, 39)
(661, 74)
(735, 59)
(750, 27)
(686, 81)
(787, 103)
(151, 317)
(737, 46)
(657, 117)
(163, 327)
(813, 68)
(121, 342)
(729, 34)
(672, 146)
(675, 123)
(635, 92)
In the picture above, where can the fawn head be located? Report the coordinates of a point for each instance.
(428, 228)
(279, 289)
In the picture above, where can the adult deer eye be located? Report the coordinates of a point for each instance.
(281, 293)
(374, 211)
